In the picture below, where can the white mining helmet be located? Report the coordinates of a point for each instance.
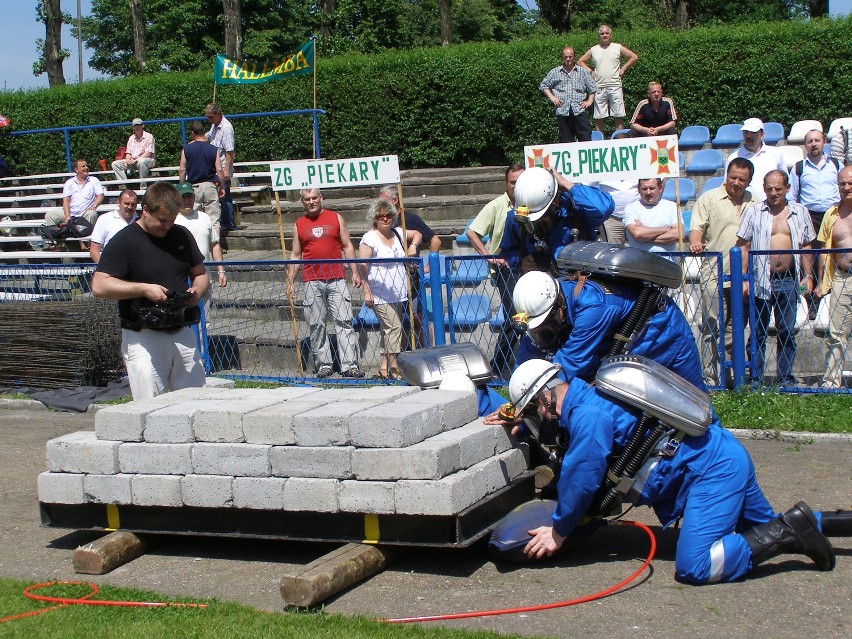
(535, 189)
(533, 298)
(529, 379)
(457, 382)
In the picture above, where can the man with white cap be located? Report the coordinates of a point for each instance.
(764, 157)
(139, 154)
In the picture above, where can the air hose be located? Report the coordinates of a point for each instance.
(550, 606)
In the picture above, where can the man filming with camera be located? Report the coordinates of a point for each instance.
(146, 267)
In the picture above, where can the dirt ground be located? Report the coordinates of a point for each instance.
(784, 598)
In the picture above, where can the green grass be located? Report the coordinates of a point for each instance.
(774, 411)
(14, 396)
(219, 620)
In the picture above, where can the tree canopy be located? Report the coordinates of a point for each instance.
(187, 35)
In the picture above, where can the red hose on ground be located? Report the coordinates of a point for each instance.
(84, 600)
(558, 604)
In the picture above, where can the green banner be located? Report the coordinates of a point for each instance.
(298, 61)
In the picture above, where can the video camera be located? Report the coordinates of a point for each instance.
(169, 315)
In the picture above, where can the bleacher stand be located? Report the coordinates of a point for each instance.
(694, 137)
(800, 129)
(687, 191)
(728, 135)
(706, 161)
(773, 132)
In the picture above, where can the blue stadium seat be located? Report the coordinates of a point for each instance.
(469, 272)
(427, 277)
(365, 319)
(681, 162)
(469, 311)
(706, 161)
(461, 238)
(597, 136)
(712, 183)
(617, 131)
(687, 190)
(728, 135)
(497, 323)
(687, 217)
(693, 137)
(773, 132)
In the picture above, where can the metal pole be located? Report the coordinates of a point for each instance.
(738, 355)
(437, 299)
(79, 46)
(67, 149)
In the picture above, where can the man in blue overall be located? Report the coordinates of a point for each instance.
(705, 479)
(550, 212)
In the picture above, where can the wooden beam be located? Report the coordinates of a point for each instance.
(332, 573)
(108, 553)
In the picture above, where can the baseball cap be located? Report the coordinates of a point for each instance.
(185, 188)
(752, 124)
(137, 121)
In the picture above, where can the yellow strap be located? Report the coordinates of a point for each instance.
(371, 528)
(113, 522)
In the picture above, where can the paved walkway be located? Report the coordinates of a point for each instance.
(786, 598)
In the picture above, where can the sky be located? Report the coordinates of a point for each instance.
(19, 31)
(18, 34)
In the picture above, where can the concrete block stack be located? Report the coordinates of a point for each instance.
(379, 450)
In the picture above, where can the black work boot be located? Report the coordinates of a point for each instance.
(836, 523)
(796, 531)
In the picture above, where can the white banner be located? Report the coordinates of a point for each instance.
(329, 174)
(627, 159)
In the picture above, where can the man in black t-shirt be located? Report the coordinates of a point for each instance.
(656, 115)
(146, 267)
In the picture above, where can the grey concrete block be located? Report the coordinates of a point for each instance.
(108, 489)
(447, 496)
(326, 462)
(503, 438)
(328, 425)
(376, 497)
(290, 393)
(61, 488)
(259, 493)
(475, 442)
(379, 394)
(126, 422)
(156, 490)
(173, 424)
(274, 424)
(82, 452)
(456, 408)
(155, 459)
(312, 495)
(207, 491)
(218, 382)
(394, 425)
(239, 460)
(426, 460)
(222, 421)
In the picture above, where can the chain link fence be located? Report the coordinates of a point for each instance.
(252, 328)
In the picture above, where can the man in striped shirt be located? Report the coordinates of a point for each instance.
(571, 90)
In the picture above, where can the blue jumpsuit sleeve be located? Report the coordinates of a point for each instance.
(527, 350)
(593, 321)
(511, 241)
(591, 428)
(489, 400)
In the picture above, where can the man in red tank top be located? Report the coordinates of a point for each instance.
(322, 235)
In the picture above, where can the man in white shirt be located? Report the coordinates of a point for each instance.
(221, 135)
(202, 229)
(652, 222)
(81, 196)
(606, 57)
(138, 155)
(764, 158)
(111, 223)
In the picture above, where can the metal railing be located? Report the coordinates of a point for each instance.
(251, 329)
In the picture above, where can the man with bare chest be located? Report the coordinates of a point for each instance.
(778, 227)
(836, 233)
